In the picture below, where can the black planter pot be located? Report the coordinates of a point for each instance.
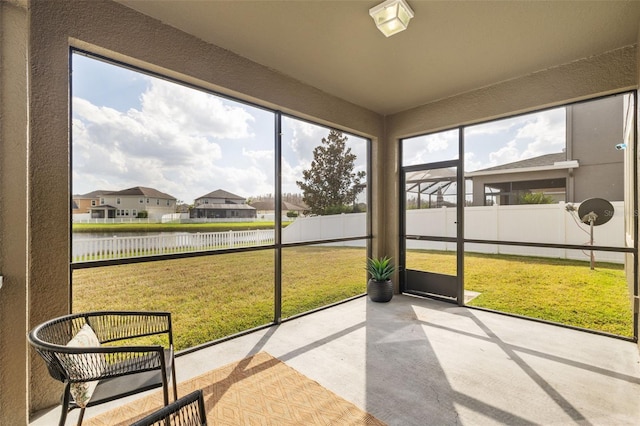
(380, 291)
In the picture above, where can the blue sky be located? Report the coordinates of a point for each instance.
(130, 129)
(495, 143)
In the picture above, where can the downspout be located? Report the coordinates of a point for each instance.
(570, 196)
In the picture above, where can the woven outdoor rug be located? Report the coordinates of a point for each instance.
(258, 390)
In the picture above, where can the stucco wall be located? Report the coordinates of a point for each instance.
(13, 207)
(47, 30)
(635, 286)
(608, 73)
(595, 129)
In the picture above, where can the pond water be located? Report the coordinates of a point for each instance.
(76, 236)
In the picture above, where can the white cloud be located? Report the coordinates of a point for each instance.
(176, 106)
(301, 138)
(493, 127)
(430, 148)
(545, 133)
(258, 155)
(174, 143)
(187, 143)
(470, 162)
(437, 143)
(507, 154)
(290, 175)
(517, 139)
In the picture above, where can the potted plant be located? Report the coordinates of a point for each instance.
(379, 286)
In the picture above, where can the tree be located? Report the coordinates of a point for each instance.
(535, 198)
(331, 186)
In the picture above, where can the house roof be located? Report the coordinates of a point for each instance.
(449, 48)
(103, 207)
(221, 206)
(542, 160)
(93, 194)
(221, 193)
(143, 191)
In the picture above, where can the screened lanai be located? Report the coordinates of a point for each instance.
(326, 64)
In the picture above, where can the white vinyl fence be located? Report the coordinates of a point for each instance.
(317, 228)
(546, 223)
(531, 223)
(121, 247)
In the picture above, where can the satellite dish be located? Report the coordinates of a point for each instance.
(595, 211)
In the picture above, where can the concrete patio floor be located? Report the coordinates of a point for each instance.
(415, 361)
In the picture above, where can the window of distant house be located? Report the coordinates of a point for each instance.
(93, 203)
(157, 202)
(147, 201)
(525, 192)
(118, 201)
(141, 201)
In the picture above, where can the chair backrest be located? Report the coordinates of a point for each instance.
(97, 355)
(50, 339)
(186, 411)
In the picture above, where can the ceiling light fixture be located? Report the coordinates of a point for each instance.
(391, 16)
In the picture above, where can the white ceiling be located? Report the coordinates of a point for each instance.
(450, 47)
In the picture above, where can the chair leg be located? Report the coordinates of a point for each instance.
(175, 382)
(65, 404)
(63, 416)
(81, 416)
(165, 392)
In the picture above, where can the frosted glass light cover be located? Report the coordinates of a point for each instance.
(392, 16)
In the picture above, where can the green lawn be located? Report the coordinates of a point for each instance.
(558, 290)
(215, 296)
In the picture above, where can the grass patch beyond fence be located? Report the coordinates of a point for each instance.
(216, 296)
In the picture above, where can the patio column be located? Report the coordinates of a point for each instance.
(14, 39)
(48, 203)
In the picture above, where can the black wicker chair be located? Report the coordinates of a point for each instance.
(187, 411)
(124, 360)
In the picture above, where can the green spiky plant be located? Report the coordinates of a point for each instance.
(381, 268)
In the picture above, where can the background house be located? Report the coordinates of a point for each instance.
(503, 185)
(221, 204)
(268, 208)
(590, 165)
(84, 202)
(128, 203)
